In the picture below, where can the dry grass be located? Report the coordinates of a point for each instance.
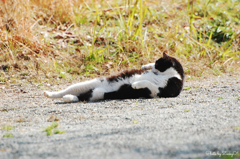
(41, 40)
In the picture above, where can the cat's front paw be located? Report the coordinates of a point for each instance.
(148, 66)
(70, 98)
(137, 85)
(144, 67)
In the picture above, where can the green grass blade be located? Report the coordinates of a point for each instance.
(209, 40)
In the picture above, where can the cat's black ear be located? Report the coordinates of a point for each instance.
(165, 55)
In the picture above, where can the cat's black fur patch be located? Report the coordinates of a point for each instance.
(85, 96)
(166, 62)
(123, 75)
(174, 85)
(127, 92)
(172, 89)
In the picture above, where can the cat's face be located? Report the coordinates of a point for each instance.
(164, 63)
(167, 62)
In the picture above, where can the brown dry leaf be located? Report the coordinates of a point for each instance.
(78, 50)
(58, 37)
(53, 118)
(68, 33)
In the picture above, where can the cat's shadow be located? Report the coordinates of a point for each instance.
(101, 101)
(72, 102)
(79, 102)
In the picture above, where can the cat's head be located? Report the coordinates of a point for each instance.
(166, 62)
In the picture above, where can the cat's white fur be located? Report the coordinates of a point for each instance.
(151, 80)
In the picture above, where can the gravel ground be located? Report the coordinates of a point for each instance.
(203, 122)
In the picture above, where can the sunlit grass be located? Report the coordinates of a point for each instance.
(67, 39)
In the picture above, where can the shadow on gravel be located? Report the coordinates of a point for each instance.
(64, 103)
(103, 101)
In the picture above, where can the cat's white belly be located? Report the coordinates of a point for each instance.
(158, 80)
(114, 86)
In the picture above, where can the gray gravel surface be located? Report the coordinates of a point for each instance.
(203, 122)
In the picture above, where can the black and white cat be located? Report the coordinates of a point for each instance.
(165, 79)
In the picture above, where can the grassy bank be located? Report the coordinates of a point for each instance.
(43, 41)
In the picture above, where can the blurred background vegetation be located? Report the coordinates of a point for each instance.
(47, 40)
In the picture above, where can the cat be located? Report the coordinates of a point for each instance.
(164, 78)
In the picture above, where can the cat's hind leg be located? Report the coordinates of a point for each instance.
(91, 95)
(82, 97)
(70, 98)
(75, 89)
